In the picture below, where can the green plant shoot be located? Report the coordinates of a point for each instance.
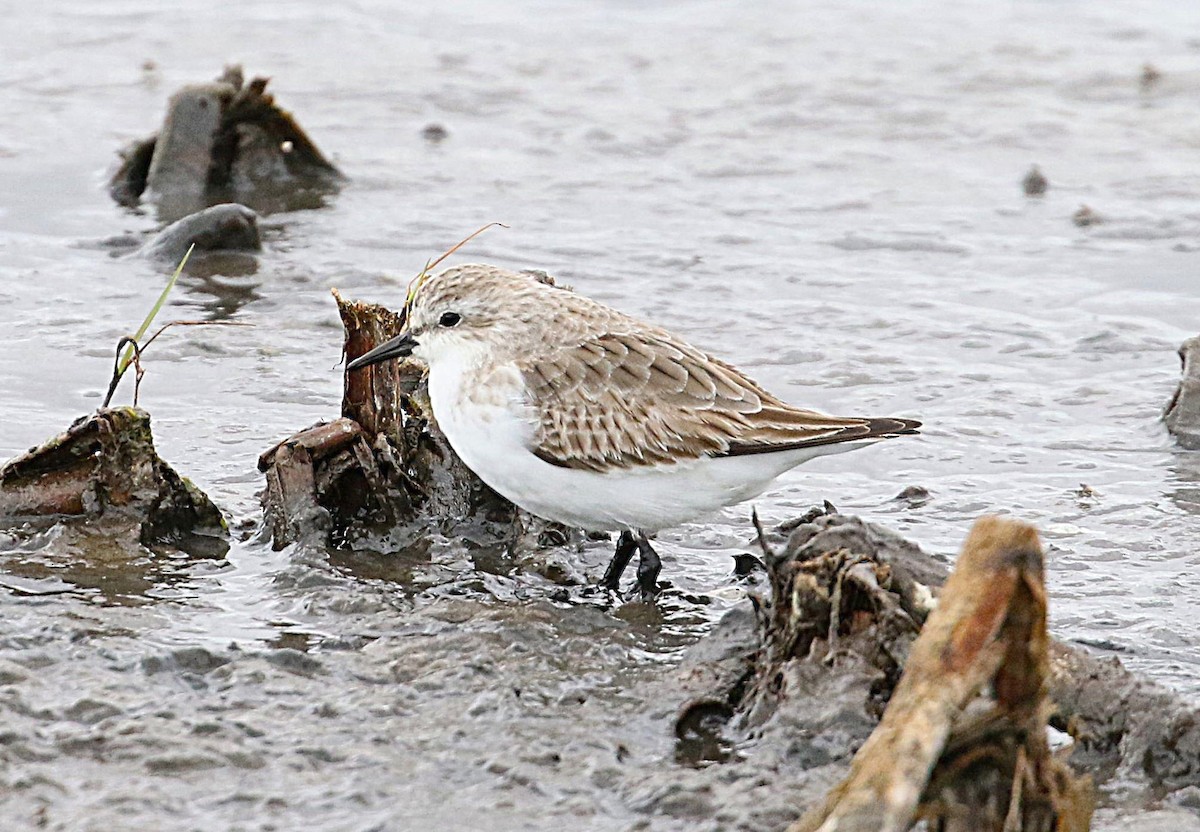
(127, 358)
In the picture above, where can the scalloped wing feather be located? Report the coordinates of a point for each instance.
(636, 398)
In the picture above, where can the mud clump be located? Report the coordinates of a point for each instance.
(225, 141)
(383, 476)
(1182, 414)
(1085, 216)
(104, 470)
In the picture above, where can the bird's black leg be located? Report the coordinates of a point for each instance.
(626, 546)
(648, 567)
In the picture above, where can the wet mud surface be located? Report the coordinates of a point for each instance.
(832, 201)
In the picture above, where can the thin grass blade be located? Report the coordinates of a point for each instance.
(127, 358)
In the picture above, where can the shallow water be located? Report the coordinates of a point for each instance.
(830, 199)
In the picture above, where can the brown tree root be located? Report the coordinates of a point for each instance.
(381, 476)
(104, 468)
(962, 743)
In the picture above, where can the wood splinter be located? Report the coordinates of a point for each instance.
(962, 744)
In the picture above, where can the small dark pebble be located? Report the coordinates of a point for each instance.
(435, 133)
(1085, 216)
(1035, 182)
(1149, 77)
(914, 495)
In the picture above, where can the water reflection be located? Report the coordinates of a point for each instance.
(101, 564)
(1184, 470)
(220, 283)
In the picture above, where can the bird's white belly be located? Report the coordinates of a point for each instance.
(494, 434)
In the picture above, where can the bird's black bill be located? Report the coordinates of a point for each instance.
(399, 347)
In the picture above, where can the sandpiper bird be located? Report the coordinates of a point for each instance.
(586, 416)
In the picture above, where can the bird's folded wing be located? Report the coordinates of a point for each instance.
(623, 400)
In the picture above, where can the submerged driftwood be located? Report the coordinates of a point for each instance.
(807, 676)
(226, 227)
(382, 475)
(225, 141)
(1182, 415)
(104, 469)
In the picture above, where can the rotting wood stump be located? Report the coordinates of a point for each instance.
(963, 742)
(382, 475)
(104, 469)
(224, 141)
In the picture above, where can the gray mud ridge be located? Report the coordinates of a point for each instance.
(546, 712)
(224, 141)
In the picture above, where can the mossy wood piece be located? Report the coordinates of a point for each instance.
(963, 743)
(105, 467)
(381, 474)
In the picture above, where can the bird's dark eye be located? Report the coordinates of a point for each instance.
(449, 319)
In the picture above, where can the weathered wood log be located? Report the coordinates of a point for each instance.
(227, 227)
(1182, 414)
(104, 467)
(963, 740)
(800, 686)
(1121, 722)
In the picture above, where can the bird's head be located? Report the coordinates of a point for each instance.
(469, 310)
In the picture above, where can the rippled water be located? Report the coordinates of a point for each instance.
(829, 198)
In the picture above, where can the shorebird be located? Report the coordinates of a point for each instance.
(586, 416)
